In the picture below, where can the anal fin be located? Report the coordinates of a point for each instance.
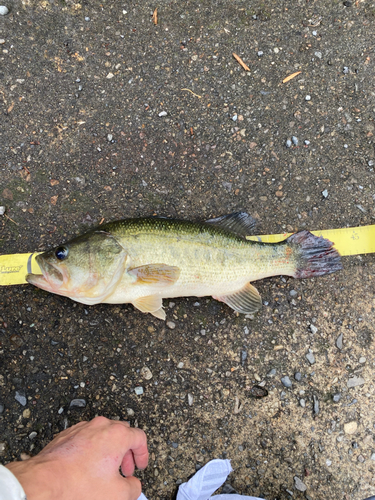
(151, 304)
(160, 313)
(245, 301)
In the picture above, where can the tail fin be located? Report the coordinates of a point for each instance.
(315, 255)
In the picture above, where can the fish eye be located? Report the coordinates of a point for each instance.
(61, 253)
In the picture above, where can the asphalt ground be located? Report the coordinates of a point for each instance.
(82, 86)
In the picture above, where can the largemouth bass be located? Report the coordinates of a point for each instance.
(141, 261)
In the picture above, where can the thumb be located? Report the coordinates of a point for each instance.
(129, 488)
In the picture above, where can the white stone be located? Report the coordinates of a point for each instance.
(146, 373)
(350, 427)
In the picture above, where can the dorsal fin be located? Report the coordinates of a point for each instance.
(239, 223)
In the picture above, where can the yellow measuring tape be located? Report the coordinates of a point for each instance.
(348, 241)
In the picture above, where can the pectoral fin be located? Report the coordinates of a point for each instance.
(245, 301)
(151, 304)
(156, 274)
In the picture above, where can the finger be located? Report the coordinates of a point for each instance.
(130, 488)
(137, 443)
(127, 464)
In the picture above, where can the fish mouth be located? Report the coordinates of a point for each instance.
(52, 278)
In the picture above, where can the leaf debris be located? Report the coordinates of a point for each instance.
(155, 16)
(290, 77)
(239, 60)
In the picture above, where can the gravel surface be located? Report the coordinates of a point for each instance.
(106, 115)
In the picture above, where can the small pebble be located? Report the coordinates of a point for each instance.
(2, 210)
(302, 402)
(371, 163)
(234, 118)
(162, 113)
(339, 341)
(260, 53)
(361, 458)
(271, 373)
(109, 137)
(174, 445)
(243, 357)
(2, 41)
(336, 398)
(286, 381)
(355, 381)
(138, 390)
(26, 413)
(146, 373)
(190, 399)
(350, 427)
(314, 33)
(2, 408)
(308, 98)
(3, 447)
(345, 70)
(298, 376)
(310, 358)
(299, 485)
(313, 328)
(325, 193)
(316, 405)
(3, 10)
(33, 435)
(171, 325)
(293, 293)
(362, 360)
(130, 412)
(87, 19)
(307, 143)
(328, 462)
(318, 55)
(288, 143)
(258, 392)
(21, 398)
(295, 140)
(77, 403)
(373, 456)
(180, 365)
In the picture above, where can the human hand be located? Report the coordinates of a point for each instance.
(83, 463)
